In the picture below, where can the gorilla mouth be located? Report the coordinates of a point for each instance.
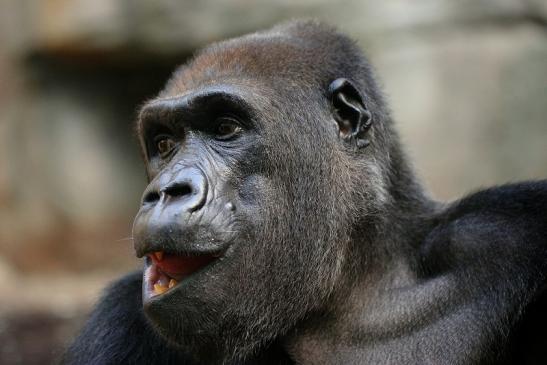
(166, 270)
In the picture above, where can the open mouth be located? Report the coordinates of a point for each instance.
(165, 270)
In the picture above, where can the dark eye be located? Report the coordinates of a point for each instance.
(164, 145)
(226, 128)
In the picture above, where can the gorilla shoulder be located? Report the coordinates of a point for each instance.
(508, 220)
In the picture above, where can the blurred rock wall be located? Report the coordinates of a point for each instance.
(466, 80)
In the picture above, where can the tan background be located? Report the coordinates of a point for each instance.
(467, 82)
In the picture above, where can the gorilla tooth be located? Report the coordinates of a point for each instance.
(160, 286)
(160, 289)
(158, 255)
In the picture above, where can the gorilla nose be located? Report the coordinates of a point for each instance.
(188, 188)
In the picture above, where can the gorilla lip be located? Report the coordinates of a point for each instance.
(167, 270)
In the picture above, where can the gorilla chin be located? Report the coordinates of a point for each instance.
(176, 312)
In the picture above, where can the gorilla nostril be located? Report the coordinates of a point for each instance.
(151, 197)
(183, 191)
(177, 190)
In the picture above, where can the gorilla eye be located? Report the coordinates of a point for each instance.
(164, 145)
(226, 128)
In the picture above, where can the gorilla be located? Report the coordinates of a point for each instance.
(283, 224)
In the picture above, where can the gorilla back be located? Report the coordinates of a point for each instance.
(282, 224)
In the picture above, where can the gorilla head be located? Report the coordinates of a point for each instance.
(269, 159)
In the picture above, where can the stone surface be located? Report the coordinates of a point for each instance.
(470, 105)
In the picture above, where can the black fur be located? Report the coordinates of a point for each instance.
(331, 251)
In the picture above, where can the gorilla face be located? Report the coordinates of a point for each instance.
(246, 222)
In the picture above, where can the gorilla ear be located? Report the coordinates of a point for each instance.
(350, 112)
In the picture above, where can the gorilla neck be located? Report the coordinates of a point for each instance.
(382, 277)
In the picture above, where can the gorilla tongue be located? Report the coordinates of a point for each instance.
(178, 266)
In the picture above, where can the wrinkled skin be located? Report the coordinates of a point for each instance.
(296, 230)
